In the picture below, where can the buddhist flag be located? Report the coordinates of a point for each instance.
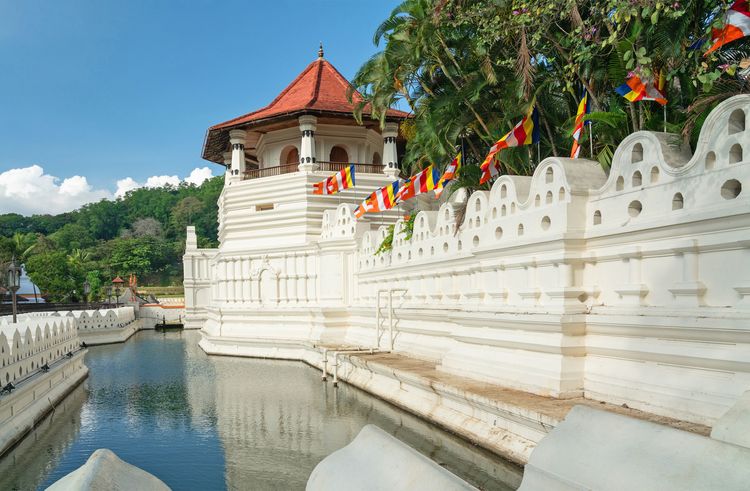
(448, 175)
(525, 132)
(737, 26)
(423, 182)
(341, 180)
(381, 200)
(583, 109)
(636, 90)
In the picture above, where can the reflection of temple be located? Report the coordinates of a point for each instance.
(277, 420)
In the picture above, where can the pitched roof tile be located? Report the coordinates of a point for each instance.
(320, 87)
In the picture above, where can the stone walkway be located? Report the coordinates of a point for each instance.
(551, 408)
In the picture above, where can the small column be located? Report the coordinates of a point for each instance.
(238, 280)
(688, 292)
(246, 289)
(633, 292)
(228, 164)
(191, 241)
(307, 125)
(237, 140)
(222, 275)
(390, 155)
(291, 286)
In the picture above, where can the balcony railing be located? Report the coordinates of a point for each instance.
(322, 166)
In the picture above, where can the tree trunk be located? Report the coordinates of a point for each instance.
(633, 116)
(547, 130)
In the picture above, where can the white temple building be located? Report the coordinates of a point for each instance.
(629, 286)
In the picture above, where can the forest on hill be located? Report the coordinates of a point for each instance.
(142, 233)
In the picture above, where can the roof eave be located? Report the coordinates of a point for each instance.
(214, 132)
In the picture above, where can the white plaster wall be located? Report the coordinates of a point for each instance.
(648, 305)
(33, 342)
(360, 143)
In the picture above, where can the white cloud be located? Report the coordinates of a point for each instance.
(198, 175)
(73, 186)
(161, 181)
(29, 190)
(125, 185)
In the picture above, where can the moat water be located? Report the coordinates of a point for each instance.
(204, 423)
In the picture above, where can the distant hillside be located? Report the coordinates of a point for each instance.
(141, 233)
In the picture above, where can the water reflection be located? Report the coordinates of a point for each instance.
(221, 423)
(25, 466)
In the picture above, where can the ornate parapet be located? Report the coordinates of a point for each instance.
(33, 342)
(579, 281)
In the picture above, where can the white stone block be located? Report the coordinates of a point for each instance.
(593, 449)
(375, 461)
(105, 471)
(734, 426)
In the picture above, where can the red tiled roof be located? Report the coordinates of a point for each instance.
(320, 87)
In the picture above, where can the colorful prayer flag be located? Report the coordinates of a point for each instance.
(583, 109)
(736, 26)
(423, 182)
(341, 180)
(636, 90)
(448, 175)
(381, 200)
(525, 132)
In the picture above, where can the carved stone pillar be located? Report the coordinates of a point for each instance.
(390, 154)
(228, 164)
(307, 125)
(237, 140)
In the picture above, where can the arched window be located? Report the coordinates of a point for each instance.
(376, 159)
(292, 156)
(339, 155)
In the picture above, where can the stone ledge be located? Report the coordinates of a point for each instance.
(42, 401)
(505, 421)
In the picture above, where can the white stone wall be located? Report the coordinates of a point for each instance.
(101, 319)
(630, 287)
(33, 342)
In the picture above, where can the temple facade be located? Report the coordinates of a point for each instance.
(628, 286)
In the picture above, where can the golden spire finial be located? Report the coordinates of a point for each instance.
(320, 50)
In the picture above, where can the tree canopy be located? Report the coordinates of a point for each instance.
(470, 69)
(141, 233)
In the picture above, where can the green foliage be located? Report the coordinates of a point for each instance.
(407, 230)
(387, 243)
(142, 233)
(469, 70)
(61, 280)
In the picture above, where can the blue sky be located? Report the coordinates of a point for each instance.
(114, 89)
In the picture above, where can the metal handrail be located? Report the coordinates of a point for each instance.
(323, 166)
(337, 166)
(271, 171)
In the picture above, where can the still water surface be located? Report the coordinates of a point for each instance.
(205, 423)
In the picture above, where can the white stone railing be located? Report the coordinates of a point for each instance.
(101, 319)
(631, 287)
(659, 230)
(31, 343)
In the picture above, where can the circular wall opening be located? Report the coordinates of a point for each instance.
(546, 222)
(635, 208)
(731, 189)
